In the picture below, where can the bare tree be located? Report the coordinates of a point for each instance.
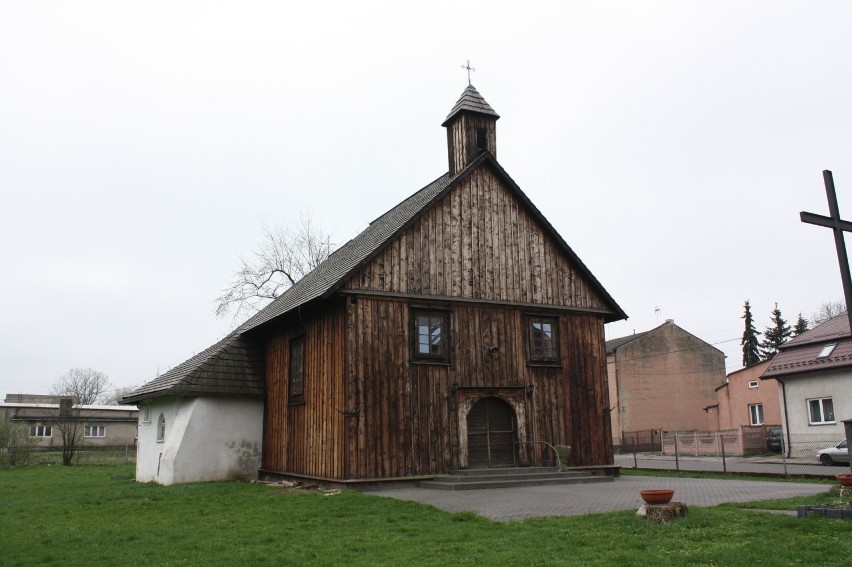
(69, 423)
(78, 387)
(84, 385)
(116, 396)
(826, 311)
(283, 257)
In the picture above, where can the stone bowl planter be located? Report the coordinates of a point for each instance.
(656, 496)
(845, 479)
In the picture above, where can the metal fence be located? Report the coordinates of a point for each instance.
(743, 450)
(50, 456)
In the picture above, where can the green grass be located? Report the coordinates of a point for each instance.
(95, 515)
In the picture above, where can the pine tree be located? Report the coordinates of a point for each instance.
(801, 326)
(775, 335)
(751, 356)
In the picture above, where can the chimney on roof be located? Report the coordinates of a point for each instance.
(471, 129)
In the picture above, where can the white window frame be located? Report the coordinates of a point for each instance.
(822, 413)
(94, 431)
(753, 384)
(826, 351)
(145, 414)
(161, 429)
(755, 414)
(39, 430)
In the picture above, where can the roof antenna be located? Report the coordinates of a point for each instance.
(468, 68)
(657, 312)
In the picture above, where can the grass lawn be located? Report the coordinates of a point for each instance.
(97, 515)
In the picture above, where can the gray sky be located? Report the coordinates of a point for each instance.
(142, 145)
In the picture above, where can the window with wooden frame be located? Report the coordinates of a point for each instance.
(543, 339)
(431, 335)
(296, 377)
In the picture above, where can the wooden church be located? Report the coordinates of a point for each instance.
(458, 330)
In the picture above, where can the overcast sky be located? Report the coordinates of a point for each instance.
(142, 146)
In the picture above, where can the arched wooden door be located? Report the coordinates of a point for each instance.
(491, 434)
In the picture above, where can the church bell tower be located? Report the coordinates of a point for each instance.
(471, 129)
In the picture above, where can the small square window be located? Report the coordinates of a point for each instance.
(753, 384)
(431, 335)
(542, 339)
(145, 414)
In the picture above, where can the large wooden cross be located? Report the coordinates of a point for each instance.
(835, 223)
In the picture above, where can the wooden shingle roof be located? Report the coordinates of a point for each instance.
(471, 101)
(233, 367)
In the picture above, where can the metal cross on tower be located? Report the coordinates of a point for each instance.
(839, 226)
(469, 69)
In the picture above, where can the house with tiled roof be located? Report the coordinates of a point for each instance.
(814, 374)
(458, 330)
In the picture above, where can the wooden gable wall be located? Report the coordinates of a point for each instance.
(408, 420)
(479, 242)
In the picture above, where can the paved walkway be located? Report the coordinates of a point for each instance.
(504, 504)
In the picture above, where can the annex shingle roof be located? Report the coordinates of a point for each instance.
(471, 101)
(233, 367)
(799, 355)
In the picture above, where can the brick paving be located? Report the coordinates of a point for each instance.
(505, 504)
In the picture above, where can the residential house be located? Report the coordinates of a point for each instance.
(662, 380)
(458, 330)
(814, 374)
(747, 401)
(103, 426)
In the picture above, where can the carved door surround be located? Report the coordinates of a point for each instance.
(466, 398)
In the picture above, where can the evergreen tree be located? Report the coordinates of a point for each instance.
(775, 335)
(751, 355)
(801, 326)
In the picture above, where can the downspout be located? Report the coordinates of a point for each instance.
(617, 402)
(786, 420)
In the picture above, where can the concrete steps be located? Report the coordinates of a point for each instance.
(473, 479)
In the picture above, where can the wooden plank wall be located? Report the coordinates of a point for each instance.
(478, 242)
(307, 438)
(408, 422)
(462, 145)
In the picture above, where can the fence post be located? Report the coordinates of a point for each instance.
(784, 453)
(724, 462)
(677, 457)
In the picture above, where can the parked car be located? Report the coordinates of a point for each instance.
(775, 439)
(837, 454)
